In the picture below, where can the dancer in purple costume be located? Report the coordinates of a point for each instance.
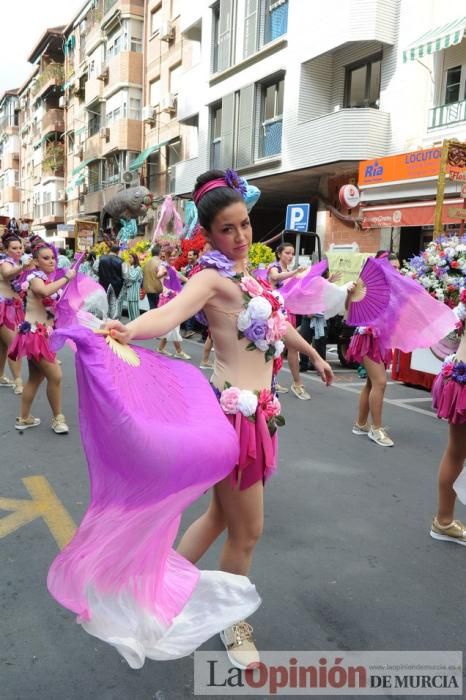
(247, 323)
(172, 285)
(449, 398)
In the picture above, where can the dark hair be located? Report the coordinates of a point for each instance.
(134, 260)
(62, 251)
(215, 200)
(155, 250)
(91, 256)
(115, 249)
(37, 243)
(386, 254)
(8, 238)
(280, 248)
(194, 252)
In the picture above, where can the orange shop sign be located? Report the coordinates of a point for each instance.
(405, 166)
(410, 215)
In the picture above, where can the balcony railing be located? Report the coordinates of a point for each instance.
(447, 114)
(53, 120)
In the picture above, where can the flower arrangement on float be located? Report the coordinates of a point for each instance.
(260, 254)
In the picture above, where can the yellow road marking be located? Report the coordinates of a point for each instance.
(44, 504)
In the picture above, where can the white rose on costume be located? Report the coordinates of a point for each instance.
(261, 345)
(259, 309)
(279, 347)
(247, 403)
(244, 320)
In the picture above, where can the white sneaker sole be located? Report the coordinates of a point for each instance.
(26, 427)
(234, 662)
(446, 538)
(60, 431)
(301, 398)
(355, 431)
(380, 444)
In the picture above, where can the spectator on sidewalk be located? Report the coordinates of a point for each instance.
(152, 283)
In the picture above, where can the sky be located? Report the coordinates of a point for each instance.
(23, 23)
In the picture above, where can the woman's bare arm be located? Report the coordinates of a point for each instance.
(158, 322)
(296, 342)
(43, 290)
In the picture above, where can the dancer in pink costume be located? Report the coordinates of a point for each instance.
(32, 338)
(11, 306)
(248, 326)
(365, 349)
(449, 398)
(172, 285)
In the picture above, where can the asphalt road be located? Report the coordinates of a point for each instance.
(346, 561)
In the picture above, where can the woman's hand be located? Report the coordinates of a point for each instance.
(324, 370)
(335, 277)
(119, 331)
(70, 273)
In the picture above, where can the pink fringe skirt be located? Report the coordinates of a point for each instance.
(258, 450)
(11, 313)
(449, 399)
(367, 345)
(33, 346)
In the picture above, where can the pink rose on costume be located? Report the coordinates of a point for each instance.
(463, 296)
(447, 369)
(269, 404)
(24, 286)
(229, 400)
(251, 287)
(276, 328)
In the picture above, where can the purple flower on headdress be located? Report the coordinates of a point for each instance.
(220, 262)
(256, 331)
(24, 327)
(236, 182)
(459, 372)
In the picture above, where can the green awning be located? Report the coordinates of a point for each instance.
(144, 155)
(84, 164)
(435, 40)
(75, 183)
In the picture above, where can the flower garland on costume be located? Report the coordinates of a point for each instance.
(49, 302)
(452, 368)
(234, 401)
(39, 328)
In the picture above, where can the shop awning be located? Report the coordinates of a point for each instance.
(436, 40)
(418, 214)
(84, 164)
(144, 155)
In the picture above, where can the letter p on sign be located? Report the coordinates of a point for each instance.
(297, 217)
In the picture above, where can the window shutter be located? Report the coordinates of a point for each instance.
(225, 34)
(251, 27)
(244, 154)
(228, 122)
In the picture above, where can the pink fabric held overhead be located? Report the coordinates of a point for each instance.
(155, 439)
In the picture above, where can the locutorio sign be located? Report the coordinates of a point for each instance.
(405, 166)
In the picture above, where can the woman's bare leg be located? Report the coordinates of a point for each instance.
(163, 344)
(450, 468)
(363, 412)
(378, 378)
(6, 339)
(206, 350)
(293, 364)
(31, 387)
(178, 347)
(53, 374)
(203, 532)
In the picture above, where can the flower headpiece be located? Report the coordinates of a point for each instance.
(231, 179)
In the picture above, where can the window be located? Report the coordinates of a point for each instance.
(136, 31)
(215, 36)
(94, 176)
(216, 139)
(153, 172)
(134, 108)
(191, 138)
(362, 83)
(156, 19)
(70, 143)
(114, 46)
(272, 117)
(154, 93)
(94, 122)
(453, 85)
(175, 74)
(276, 19)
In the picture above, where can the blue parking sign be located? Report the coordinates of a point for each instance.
(297, 217)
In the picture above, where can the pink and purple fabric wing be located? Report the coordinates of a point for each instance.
(155, 439)
(80, 294)
(312, 294)
(412, 318)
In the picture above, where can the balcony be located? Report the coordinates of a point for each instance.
(10, 161)
(95, 201)
(53, 120)
(10, 194)
(189, 100)
(53, 75)
(124, 68)
(125, 135)
(445, 115)
(49, 213)
(345, 135)
(93, 146)
(94, 90)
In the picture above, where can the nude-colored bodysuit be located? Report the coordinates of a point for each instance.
(35, 310)
(5, 287)
(245, 369)
(461, 352)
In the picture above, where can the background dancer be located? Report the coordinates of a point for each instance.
(365, 349)
(11, 306)
(449, 398)
(278, 272)
(32, 339)
(247, 336)
(171, 281)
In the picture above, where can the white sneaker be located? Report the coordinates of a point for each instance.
(279, 389)
(18, 387)
(206, 365)
(167, 353)
(300, 392)
(25, 423)
(379, 436)
(59, 425)
(182, 355)
(240, 646)
(5, 381)
(361, 429)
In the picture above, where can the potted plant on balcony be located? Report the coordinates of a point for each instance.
(54, 158)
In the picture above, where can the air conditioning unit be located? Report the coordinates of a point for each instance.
(62, 102)
(168, 103)
(61, 196)
(102, 73)
(130, 178)
(104, 133)
(167, 31)
(148, 114)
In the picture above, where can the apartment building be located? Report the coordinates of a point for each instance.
(103, 99)
(9, 155)
(41, 127)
